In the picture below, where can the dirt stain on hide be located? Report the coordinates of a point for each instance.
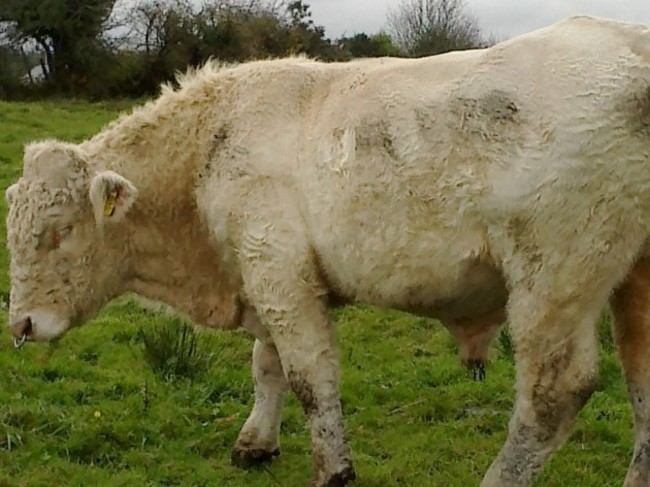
(490, 116)
(370, 136)
(328, 433)
(555, 406)
(219, 139)
(304, 391)
(518, 461)
(425, 117)
(639, 110)
(552, 403)
(641, 457)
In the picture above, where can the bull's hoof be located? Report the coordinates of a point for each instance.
(248, 459)
(340, 479)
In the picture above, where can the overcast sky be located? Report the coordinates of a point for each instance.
(503, 18)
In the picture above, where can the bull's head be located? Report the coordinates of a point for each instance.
(67, 253)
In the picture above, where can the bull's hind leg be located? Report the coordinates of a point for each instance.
(258, 440)
(631, 309)
(556, 374)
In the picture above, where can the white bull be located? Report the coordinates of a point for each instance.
(513, 180)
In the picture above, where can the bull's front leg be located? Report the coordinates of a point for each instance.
(280, 281)
(631, 309)
(258, 440)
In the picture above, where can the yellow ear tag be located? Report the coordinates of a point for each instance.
(109, 206)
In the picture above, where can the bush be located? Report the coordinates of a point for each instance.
(175, 349)
(506, 345)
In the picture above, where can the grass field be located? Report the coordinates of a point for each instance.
(89, 410)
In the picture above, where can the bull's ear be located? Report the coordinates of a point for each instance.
(11, 192)
(111, 196)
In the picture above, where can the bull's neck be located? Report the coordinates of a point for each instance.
(172, 261)
(159, 148)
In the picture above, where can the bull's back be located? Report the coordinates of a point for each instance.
(406, 169)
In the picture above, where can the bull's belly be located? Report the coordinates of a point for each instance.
(479, 292)
(435, 286)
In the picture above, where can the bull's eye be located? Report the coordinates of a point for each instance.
(59, 235)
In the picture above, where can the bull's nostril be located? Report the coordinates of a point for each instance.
(22, 328)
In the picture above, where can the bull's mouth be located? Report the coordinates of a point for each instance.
(39, 329)
(27, 332)
(19, 342)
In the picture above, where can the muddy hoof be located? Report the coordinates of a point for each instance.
(341, 479)
(247, 459)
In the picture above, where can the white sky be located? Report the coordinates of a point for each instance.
(503, 18)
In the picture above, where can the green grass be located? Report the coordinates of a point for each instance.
(89, 410)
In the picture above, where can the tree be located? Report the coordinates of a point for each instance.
(304, 35)
(363, 45)
(157, 25)
(237, 31)
(106, 48)
(166, 36)
(67, 31)
(428, 27)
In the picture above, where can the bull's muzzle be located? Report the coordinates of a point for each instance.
(22, 331)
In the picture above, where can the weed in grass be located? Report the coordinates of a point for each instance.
(506, 345)
(144, 392)
(89, 355)
(605, 333)
(175, 349)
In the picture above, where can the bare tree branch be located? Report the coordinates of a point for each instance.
(427, 27)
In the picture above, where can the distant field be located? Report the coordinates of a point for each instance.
(72, 414)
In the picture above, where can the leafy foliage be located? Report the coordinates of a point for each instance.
(67, 31)
(112, 48)
(363, 45)
(105, 49)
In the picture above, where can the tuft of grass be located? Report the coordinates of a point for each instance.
(174, 349)
(605, 337)
(4, 300)
(506, 345)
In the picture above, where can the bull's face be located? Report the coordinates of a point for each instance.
(67, 253)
